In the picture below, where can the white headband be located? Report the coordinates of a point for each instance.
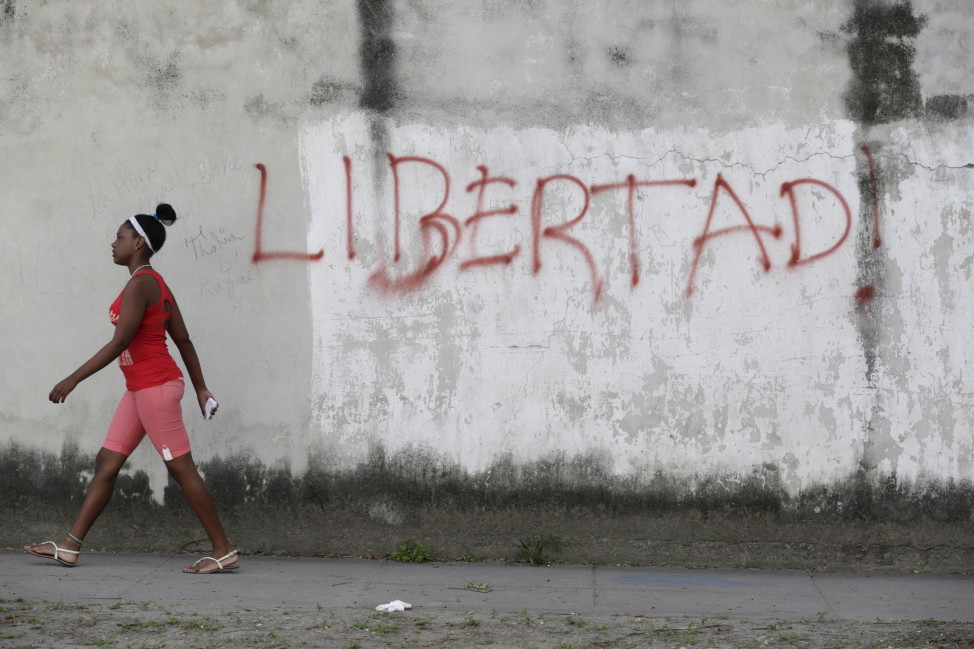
(138, 228)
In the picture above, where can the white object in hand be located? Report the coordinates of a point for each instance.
(209, 408)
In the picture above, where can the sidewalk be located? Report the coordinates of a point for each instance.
(363, 584)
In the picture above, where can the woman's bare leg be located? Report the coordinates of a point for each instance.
(183, 470)
(100, 489)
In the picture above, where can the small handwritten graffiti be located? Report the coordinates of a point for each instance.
(230, 279)
(156, 179)
(442, 233)
(210, 242)
(220, 245)
(127, 179)
(210, 171)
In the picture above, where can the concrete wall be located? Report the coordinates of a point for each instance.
(637, 281)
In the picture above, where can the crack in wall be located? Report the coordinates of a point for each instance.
(786, 159)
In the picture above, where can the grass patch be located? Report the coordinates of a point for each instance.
(383, 629)
(533, 553)
(410, 552)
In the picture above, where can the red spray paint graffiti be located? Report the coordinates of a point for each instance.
(877, 239)
(436, 221)
(559, 232)
(865, 294)
(474, 222)
(259, 254)
(441, 233)
(349, 232)
(796, 248)
(630, 185)
(700, 242)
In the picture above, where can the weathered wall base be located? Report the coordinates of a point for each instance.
(867, 522)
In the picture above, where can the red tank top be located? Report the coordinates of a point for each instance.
(147, 363)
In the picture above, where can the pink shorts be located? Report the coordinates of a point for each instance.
(155, 411)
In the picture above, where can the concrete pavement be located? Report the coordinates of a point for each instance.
(364, 583)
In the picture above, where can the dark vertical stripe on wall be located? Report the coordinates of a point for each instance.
(884, 88)
(377, 54)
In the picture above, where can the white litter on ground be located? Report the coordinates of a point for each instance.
(394, 605)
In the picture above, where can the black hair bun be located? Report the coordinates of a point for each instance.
(166, 213)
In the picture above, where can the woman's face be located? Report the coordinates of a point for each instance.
(123, 248)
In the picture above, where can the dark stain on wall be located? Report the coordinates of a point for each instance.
(946, 107)
(8, 11)
(619, 56)
(417, 477)
(244, 483)
(325, 91)
(884, 86)
(377, 55)
(204, 98)
(162, 78)
(258, 107)
(421, 478)
(165, 76)
(30, 479)
(575, 500)
(125, 31)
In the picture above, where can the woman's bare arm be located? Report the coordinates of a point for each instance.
(135, 299)
(180, 337)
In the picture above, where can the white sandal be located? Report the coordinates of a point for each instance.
(219, 563)
(57, 552)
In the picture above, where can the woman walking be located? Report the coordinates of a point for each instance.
(142, 314)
